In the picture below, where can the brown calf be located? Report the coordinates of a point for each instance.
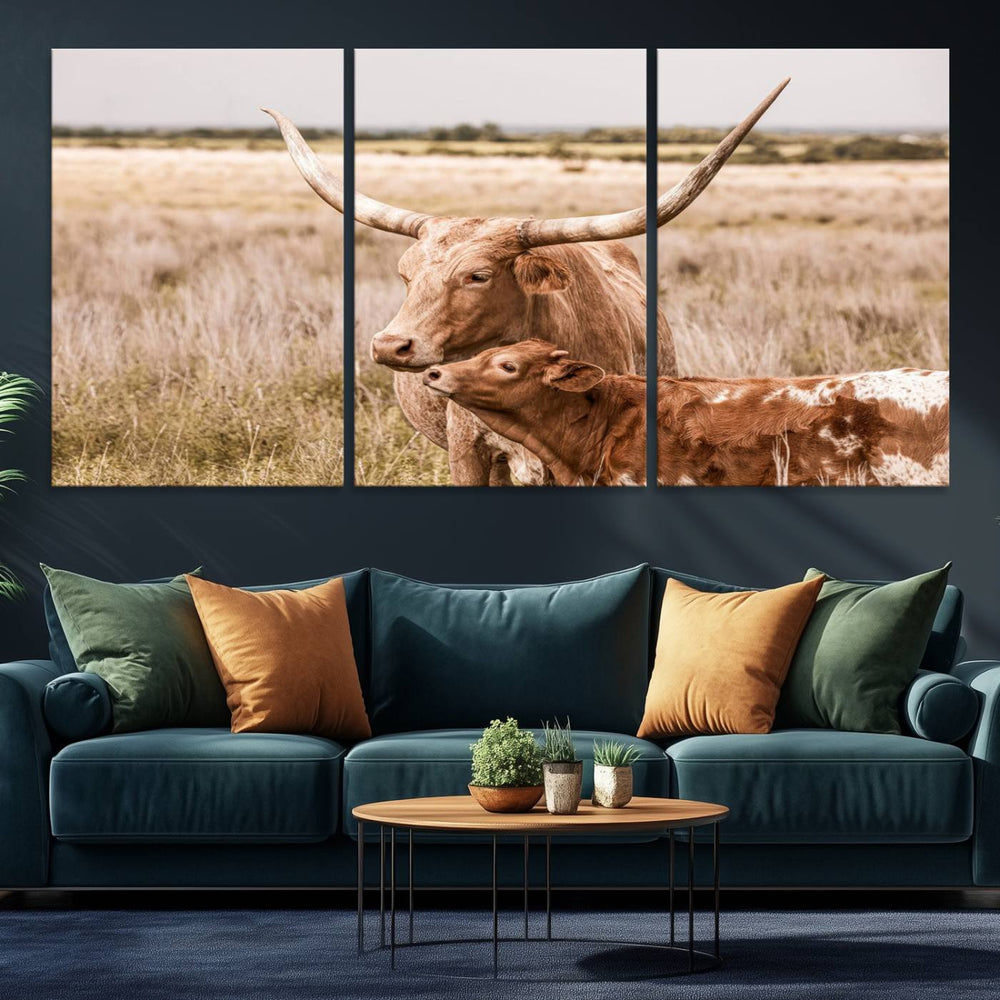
(869, 429)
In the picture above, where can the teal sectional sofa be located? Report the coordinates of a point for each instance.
(81, 807)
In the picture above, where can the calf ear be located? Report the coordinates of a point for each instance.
(537, 274)
(572, 376)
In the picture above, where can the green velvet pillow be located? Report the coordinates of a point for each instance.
(146, 641)
(860, 649)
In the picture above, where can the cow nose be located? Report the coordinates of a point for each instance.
(433, 374)
(386, 347)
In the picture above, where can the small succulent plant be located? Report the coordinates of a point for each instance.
(611, 753)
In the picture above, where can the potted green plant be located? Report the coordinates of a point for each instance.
(563, 771)
(506, 768)
(613, 773)
(16, 393)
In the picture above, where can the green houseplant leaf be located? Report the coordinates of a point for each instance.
(559, 747)
(613, 753)
(506, 756)
(16, 393)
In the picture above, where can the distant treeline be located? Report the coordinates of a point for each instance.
(677, 143)
(264, 132)
(491, 132)
(871, 147)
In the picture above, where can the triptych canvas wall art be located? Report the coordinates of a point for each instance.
(501, 329)
(197, 283)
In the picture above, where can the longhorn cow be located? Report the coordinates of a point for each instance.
(473, 283)
(868, 429)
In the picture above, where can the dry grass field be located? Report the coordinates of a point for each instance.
(786, 269)
(197, 307)
(197, 320)
(809, 269)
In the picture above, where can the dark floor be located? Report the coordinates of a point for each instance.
(255, 945)
(834, 900)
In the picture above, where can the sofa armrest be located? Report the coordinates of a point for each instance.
(983, 676)
(25, 752)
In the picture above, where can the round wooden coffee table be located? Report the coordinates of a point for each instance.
(460, 814)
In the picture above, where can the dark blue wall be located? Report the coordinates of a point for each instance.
(255, 535)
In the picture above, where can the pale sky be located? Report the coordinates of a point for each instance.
(854, 88)
(569, 87)
(180, 88)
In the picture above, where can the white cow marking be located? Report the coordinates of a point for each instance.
(907, 387)
(897, 469)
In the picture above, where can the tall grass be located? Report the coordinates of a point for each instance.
(809, 270)
(197, 321)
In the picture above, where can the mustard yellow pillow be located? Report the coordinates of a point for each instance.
(285, 659)
(721, 658)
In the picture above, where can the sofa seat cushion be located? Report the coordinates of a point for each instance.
(438, 762)
(823, 786)
(180, 786)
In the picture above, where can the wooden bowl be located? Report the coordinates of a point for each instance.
(519, 799)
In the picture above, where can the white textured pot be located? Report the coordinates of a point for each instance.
(612, 786)
(563, 781)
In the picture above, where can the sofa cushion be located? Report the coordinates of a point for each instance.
(179, 786)
(285, 658)
(822, 786)
(944, 647)
(355, 593)
(938, 707)
(454, 657)
(146, 642)
(407, 765)
(861, 649)
(77, 706)
(721, 658)
(358, 614)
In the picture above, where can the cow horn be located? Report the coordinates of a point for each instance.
(546, 232)
(330, 188)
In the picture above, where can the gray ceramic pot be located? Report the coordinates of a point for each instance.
(563, 782)
(612, 786)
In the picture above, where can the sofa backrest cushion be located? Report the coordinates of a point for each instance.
(946, 633)
(456, 657)
(942, 646)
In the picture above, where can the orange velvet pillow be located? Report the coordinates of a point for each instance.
(721, 658)
(285, 659)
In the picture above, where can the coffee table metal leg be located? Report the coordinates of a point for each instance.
(411, 884)
(525, 887)
(715, 875)
(671, 891)
(548, 888)
(392, 898)
(381, 885)
(496, 921)
(691, 899)
(361, 887)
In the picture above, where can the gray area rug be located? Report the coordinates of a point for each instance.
(290, 954)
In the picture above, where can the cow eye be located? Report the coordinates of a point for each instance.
(508, 367)
(478, 277)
